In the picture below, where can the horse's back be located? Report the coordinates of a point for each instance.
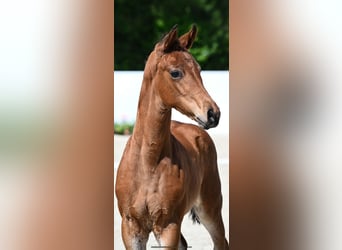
(195, 140)
(201, 148)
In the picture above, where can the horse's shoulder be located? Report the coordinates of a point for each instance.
(126, 172)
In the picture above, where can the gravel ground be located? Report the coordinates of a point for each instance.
(196, 235)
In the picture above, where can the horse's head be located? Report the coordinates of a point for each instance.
(175, 75)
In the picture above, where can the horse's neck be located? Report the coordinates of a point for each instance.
(152, 127)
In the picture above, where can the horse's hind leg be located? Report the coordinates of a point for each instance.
(208, 209)
(183, 245)
(211, 219)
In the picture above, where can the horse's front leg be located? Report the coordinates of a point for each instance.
(170, 237)
(133, 236)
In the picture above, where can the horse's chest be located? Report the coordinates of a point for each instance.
(147, 211)
(157, 197)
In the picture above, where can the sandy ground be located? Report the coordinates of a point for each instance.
(196, 235)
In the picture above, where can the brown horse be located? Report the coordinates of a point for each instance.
(169, 168)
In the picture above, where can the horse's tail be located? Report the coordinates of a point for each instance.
(194, 216)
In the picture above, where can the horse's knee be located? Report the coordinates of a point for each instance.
(133, 237)
(170, 237)
(134, 242)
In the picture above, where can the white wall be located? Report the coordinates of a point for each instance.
(127, 88)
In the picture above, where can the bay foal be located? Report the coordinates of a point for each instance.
(169, 168)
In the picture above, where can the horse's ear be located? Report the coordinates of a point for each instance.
(170, 40)
(188, 39)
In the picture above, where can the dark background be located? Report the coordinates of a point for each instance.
(139, 25)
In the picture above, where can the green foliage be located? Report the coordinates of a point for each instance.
(123, 128)
(139, 25)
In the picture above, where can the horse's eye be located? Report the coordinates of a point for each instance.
(176, 74)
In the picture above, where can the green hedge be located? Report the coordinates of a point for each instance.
(123, 128)
(138, 25)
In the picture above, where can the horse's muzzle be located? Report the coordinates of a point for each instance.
(213, 119)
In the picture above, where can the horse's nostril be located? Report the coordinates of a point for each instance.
(211, 116)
